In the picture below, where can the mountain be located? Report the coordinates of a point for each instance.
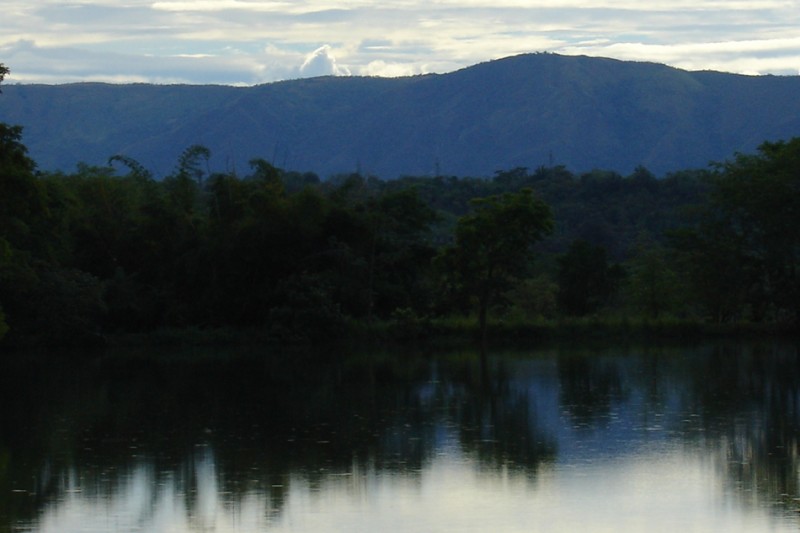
(527, 110)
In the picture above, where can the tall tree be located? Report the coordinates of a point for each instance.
(189, 162)
(743, 252)
(5, 250)
(653, 286)
(22, 198)
(4, 71)
(586, 281)
(137, 170)
(494, 246)
(758, 199)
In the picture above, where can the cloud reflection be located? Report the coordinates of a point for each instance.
(666, 489)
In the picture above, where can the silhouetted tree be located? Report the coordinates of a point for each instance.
(586, 282)
(494, 245)
(744, 253)
(654, 287)
(4, 71)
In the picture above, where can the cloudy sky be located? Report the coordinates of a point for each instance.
(245, 42)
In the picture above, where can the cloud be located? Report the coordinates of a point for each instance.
(220, 5)
(321, 62)
(389, 70)
(31, 63)
(763, 56)
(257, 41)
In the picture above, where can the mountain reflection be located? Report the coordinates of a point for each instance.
(250, 442)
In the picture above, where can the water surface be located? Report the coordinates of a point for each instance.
(617, 439)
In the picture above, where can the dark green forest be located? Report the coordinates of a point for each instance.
(109, 250)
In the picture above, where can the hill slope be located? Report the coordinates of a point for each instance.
(526, 110)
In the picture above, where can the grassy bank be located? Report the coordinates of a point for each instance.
(572, 329)
(452, 330)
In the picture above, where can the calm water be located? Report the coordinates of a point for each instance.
(629, 439)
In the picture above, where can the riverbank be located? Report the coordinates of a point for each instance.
(449, 331)
(466, 330)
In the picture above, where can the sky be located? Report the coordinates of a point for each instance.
(248, 42)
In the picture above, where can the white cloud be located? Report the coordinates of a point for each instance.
(31, 63)
(389, 70)
(255, 41)
(779, 56)
(220, 5)
(321, 62)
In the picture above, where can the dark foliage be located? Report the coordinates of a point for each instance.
(96, 252)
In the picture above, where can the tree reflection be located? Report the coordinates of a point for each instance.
(497, 422)
(590, 385)
(203, 437)
(99, 424)
(756, 390)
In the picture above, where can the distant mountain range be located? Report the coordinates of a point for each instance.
(527, 110)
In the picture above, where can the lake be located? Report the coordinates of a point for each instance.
(637, 438)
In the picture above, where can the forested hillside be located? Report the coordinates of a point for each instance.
(109, 249)
(524, 111)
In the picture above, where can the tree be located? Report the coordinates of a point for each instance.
(189, 163)
(42, 300)
(493, 246)
(710, 259)
(758, 196)
(746, 246)
(137, 170)
(4, 71)
(267, 173)
(585, 279)
(23, 201)
(653, 286)
(399, 252)
(3, 325)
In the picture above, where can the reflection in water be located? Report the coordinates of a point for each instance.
(661, 491)
(655, 440)
(145, 500)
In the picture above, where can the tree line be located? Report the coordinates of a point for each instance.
(110, 249)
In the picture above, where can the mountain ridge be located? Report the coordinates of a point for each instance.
(526, 110)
